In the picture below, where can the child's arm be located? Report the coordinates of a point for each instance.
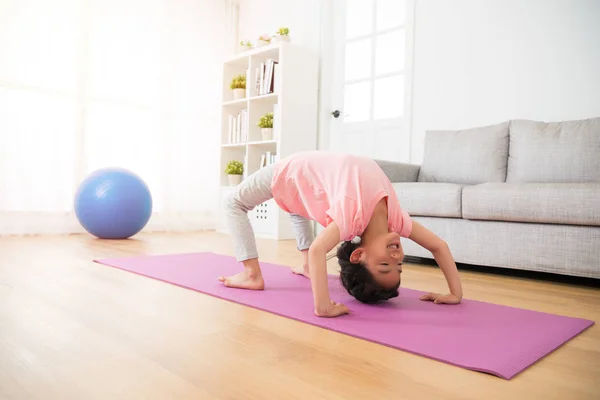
(442, 255)
(317, 263)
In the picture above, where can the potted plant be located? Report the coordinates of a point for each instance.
(266, 126)
(234, 171)
(245, 45)
(263, 40)
(238, 85)
(282, 35)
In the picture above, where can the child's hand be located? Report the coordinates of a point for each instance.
(333, 310)
(441, 298)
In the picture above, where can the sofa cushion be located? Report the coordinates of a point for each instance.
(469, 156)
(553, 203)
(430, 199)
(567, 152)
(398, 171)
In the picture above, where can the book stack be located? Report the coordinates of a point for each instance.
(266, 77)
(268, 158)
(238, 127)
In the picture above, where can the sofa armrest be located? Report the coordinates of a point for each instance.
(399, 172)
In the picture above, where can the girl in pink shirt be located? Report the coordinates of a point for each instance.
(354, 200)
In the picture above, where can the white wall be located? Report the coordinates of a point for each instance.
(480, 62)
(302, 17)
(476, 62)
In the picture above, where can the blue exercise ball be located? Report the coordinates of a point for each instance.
(113, 203)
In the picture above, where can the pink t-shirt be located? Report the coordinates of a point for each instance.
(325, 186)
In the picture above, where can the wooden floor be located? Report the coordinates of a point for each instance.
(73, 329)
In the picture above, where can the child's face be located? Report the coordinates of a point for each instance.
(383, 257)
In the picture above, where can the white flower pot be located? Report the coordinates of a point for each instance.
(281, 38)
(261, 43)
(239, 94)
(267, 133)
(241, 48)
(234, 180)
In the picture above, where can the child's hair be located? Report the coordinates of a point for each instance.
(357, 279)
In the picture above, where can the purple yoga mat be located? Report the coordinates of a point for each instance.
(475, 335)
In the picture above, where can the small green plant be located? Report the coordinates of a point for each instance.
(238, 82)
(246, 43)
(234, 167)
(283, 31)
(266, 121)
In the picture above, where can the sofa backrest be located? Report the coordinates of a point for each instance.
(469, 156)
(547, 152)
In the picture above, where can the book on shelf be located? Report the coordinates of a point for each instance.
(268, 158)
(266, 76)
(238, 128)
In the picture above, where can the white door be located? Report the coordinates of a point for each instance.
(371, 78)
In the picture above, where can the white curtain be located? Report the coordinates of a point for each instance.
(86, 84)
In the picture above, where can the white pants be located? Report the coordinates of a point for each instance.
(255, 190)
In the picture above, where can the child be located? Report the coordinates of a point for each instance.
(354, 200)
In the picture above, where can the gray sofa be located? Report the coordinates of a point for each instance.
(520, 194)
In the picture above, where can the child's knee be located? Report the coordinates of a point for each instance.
(233, 203)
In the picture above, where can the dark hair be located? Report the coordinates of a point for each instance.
(357, 279)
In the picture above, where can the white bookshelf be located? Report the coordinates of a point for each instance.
(295, 122)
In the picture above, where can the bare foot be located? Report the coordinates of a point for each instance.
(244, 280)
(301, 270)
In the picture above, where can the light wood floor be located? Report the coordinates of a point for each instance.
(73, 329)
